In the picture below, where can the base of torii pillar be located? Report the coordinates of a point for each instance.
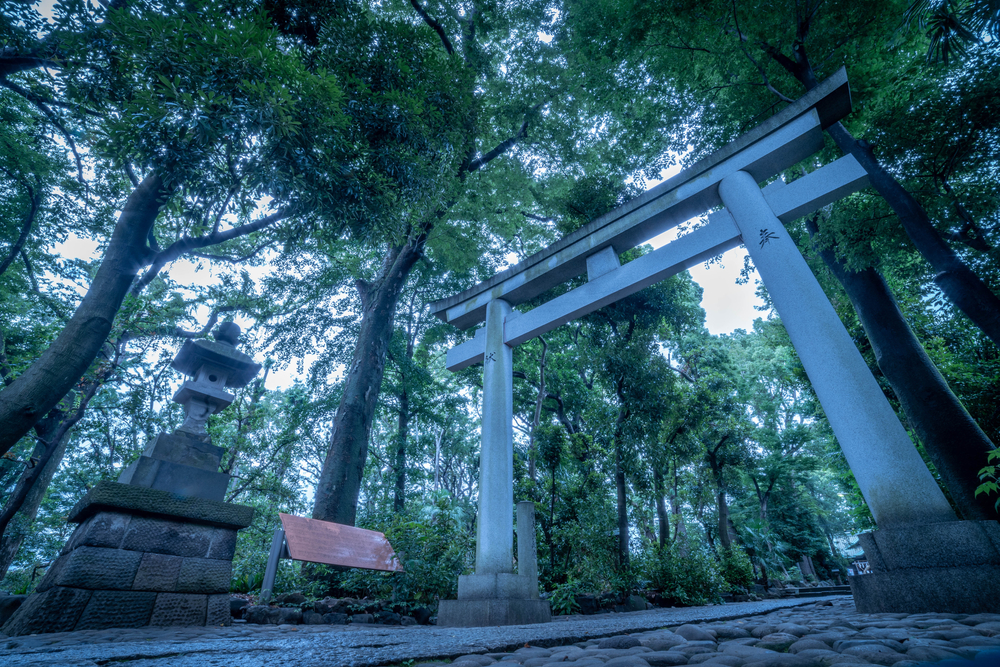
(494, 595)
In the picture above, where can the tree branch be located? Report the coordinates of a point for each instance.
(40, 103)
(186, 244)
(505, 145)
(35, 195)
(437, 27)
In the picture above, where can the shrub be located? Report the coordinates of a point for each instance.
(735, 568)
(684, 573)
(563, 599)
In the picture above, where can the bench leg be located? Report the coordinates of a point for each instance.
(277, 542)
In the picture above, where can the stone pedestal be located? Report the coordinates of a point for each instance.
(951, 567)
(139, 557)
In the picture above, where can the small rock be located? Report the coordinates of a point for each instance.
(729, 632)
(334, 618)
(780, 660)
(362, 618)
(689, 650)
(236, 607)
(312, 618)
(762, 630)
(407, 620)
(793, 629)
(621, 641)
(627, 661)
(875, 653)
(663, 643)
(699, 658)
(777, 641)
(978, 641)
(693, 632)
(387, 618)
(635, 603)
(665, 658)
(423, 615)
(806, 644)
(294, 598)
(256, 614)
(289, 616)
(475, 659)
(930, 653)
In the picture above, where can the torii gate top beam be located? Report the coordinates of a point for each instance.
(689, 193)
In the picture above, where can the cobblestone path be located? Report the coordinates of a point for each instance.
(774, 633)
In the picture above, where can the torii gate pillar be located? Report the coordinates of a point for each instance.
(494, 595)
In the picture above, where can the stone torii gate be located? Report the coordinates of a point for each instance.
(896, 483)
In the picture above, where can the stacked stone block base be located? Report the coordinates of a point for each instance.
(131, 567)
(950, 567)
(484, 613)
(494, 599)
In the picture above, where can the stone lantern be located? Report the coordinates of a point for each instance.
(156, 547)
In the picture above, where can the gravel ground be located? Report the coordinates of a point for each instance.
(823, 632)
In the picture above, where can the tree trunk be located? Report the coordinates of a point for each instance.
(724, 537)
(340, 478)
(404, 429)
(661, 507)
(958, 282)
(25, 511)
(32, 395)
(952, 439)
(620, 487)
(538, 410)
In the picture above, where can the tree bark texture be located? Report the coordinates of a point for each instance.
(661, 507)
(621, 487)
(340, 479)
(32, 395)
(399, 500)
(27, 498)
(952, 439)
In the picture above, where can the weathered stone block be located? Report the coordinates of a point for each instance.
(495, 587)
(204, 575)
(176, 478)
(219, 612)
(956, 590)
(179, 609)
(117, 609)
(185, 449)
(482, 613)
(52, 574)
(157, 572)
(113, 496)
(94, 568)
(948, 544)
(104, 529)
(173, 538)
(8, 605)
(223, 545)
(55, 610)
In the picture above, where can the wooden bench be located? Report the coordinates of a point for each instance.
(316, 541)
